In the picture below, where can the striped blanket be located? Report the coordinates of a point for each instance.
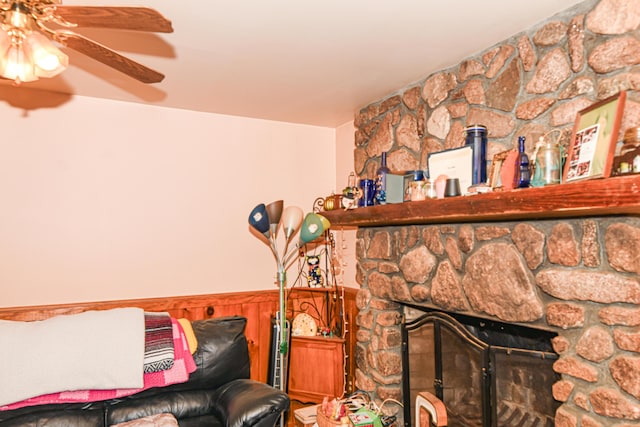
(158, 342)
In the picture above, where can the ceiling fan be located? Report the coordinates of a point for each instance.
(29, 25)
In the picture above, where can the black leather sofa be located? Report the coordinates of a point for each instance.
(218, 393)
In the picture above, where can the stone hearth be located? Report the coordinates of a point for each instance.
(577, 277)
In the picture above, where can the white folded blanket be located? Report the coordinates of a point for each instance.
(95, 350)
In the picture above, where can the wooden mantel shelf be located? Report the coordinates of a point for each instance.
(596, 197)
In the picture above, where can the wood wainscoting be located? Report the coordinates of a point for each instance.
(257, 306)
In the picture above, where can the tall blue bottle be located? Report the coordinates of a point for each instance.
(381, 181)
(523, 173)
(477, 140)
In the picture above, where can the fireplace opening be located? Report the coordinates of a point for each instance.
(487, 373)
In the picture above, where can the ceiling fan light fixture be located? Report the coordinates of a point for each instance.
(47, 58)
(16, 64)
(5, 40)
(26, 28)
(18, 16)
(26, 55)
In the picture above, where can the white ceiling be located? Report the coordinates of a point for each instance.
(315, 62)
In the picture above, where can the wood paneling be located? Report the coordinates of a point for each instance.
(257, 307)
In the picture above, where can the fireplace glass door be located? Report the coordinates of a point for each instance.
(446, 360)
(464, 383)
(488, 374)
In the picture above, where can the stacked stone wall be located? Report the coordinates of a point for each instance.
(531, 84)
(579, 277)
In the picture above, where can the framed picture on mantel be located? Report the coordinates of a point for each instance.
(593, 140)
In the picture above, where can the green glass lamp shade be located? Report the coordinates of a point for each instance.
(312, 228)
(325, 222)
(291, 220)
(259, 219)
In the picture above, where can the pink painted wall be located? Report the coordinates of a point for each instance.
(106, 200)
(345, 237)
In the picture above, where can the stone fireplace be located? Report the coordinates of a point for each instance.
(577, 276)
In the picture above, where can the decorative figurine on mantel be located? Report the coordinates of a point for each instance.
(350, 193)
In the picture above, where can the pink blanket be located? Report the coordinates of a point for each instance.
(178, 373)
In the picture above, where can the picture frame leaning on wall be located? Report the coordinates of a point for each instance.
(496, 165)
(593, 140)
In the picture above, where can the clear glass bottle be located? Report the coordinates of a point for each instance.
(381, 181)
(523, 173)
(550, 163)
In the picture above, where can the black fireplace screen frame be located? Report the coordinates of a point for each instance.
(485, 336)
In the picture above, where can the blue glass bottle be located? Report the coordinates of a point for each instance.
(523, 173)
(381, 181)
(368, 191)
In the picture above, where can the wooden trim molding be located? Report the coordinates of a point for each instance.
(191, 307)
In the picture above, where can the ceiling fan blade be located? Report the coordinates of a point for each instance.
(108, 57)
(117, 17)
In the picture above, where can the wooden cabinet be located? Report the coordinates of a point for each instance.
(316, 368)
(318, 365)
